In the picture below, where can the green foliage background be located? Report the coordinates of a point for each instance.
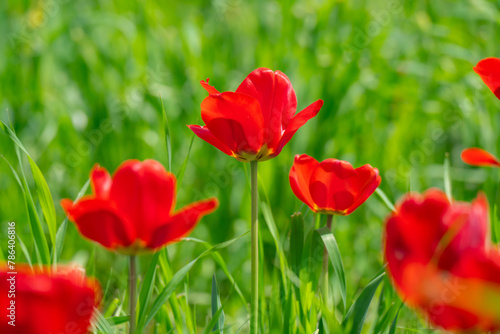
(81, 80)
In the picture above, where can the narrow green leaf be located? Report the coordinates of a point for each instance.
(43, 192)
(217, 310)
(115, 321)
(335, 258)
(385, 199)
(101, 323)
(177, 278)
(35, 224)
(220, 261)
(494, 226)
(45, 199)
(447, 177)
(213, 322)
(182, 170)
(392, 330)
(359, 309)
(168, 141)
(296, 242)
(110, 310)
(24, 250)
(387, 317)
(147, 287)
(269, 219)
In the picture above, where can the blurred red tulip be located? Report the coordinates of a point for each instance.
(441, 260)
(47, 303)
(478, 157)
(256, 121)
(133, 211)
(489, 71)
(332, 186)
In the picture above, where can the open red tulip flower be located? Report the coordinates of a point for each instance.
(133, 211)
(442, 262)
(478, 157)
(489, 71)
(257, 120)
(332, 186)
(60, 301)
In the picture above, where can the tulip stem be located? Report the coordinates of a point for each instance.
(325, 281)
(132, 297)
(254, 306)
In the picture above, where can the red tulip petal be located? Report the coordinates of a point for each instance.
(300, 119)
(210, 89)
(144, 192)
(478, 157)
(235, 120)
(182, 223)
(276, 97)
(52, 301)
(98, 220)
(206, 135)
(333, 185)
(100, 182)
(413, 232)
(470, 228)
(300, 175)
(489, 71)
(368, 180)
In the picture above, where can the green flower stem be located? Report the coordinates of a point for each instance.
(132, 297)
(325, 282)
(254, 305)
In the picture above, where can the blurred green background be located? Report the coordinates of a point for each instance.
(81, 80)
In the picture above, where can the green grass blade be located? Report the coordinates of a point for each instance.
(42, 188)
(447, 177)
(101, 323)
(269, 219)
(166, 132)
(387, 317)
(335, 258)
(182, 170)
(222, 264)
(178, 277)
(147, 287)
(217, 312)
(35, 224)
(213, 322)
(45, 199)
(115, 321)
(297, 240)
(22, 245)
(359, 309)
(392, 330)
(385, 199)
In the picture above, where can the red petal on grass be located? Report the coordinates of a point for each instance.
(478, 157)
(300, 175)
(182, 223)
(489, 71)
(204, 133)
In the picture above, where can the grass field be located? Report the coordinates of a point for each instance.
(80, 82)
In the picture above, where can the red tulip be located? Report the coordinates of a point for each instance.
(256, 121)
(133, 211)
(332, 186)
(441, 260)
(478, 157)
(46, 303)
(489, 71)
